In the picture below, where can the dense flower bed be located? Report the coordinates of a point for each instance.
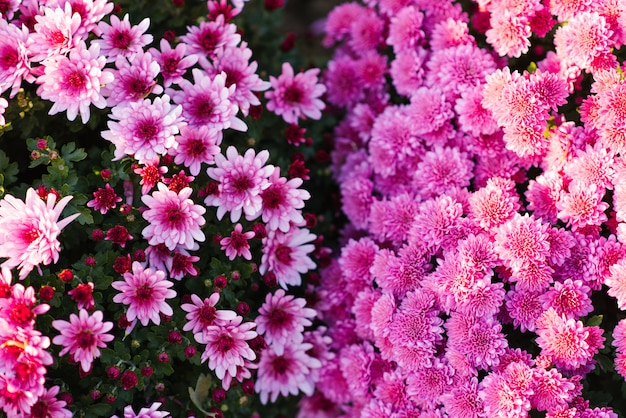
(480, 155)
(154, 239)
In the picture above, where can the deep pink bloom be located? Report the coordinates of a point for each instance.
(48, 405)
(202, 313)
(150, 174)
(120, 38)
(29, 230)
(83, 336)
(211, 38)
(55, 32)
(173, 218)
(287, 255)
(83, 296)
(151, 412)
(522, 239)
(586, 37)
(14, 59)
(144, 291)
(195, 146)
(282, 201)
(20, 308)
(173, 62)
(405, 32)
(237, 243)
(296, 96)
(104, 199)
(617, 283)
(134, 79)
(426, 384)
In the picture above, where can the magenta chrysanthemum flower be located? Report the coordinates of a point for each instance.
(405, 30)
(144, 129)
(617, 283)
(173, 62)
(550, 389)
(582, 206)
(226, 345)
(522, 239)
(296, 96)
(210, 38)
(29, 230)
(91, 13)
(48, 405)
(55, 32)
(202, 313)
(20, 307)
(237, 243)
(196, 146)
(14, 60)
(441, 170)
(74, 83)
(282, 319)
(120, 38)
(144, 291)
(151, 412)
(134, 79)
(208, 101)
(174, 218)
(287, 255)
(524, 308)
(507, 394)
(104, 199)
(286, 373)
(426, 384)
(586, 37)
(83, 336)
(241, 180)
(509, 33)
(569, 298)
(150, 174)
(282, 201)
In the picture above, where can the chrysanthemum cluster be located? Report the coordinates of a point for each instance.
(485, 210)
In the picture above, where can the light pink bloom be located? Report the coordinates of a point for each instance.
(196, 146)
(134, 79)
(282, 319)
(226, 345)
(55, 32)
(509, 33)
(286, 373)
(29, 230)
(14, 60)
(144, 129)
(296, 96)
(237, 243)
(174, 218)
(241, 180)
(120, 38)
(210, 38)
(83, 336)
(202, 313)
(73, 83)
(586, 37)
(582, 206)
(3, 106)
(91, 13)
(282, 202)
(617, 283)
(287, 255)
(522, 239)
(144, 291)
(151, 412)
(173, 62)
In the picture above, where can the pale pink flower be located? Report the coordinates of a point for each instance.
(173, 62)
(582, 206)
(144, 129)
(449, 33)
(567, 9)
(83, 336)
(55, 32)
(586, 37)
(522, 239)
(4, 104)
(286, 373)
(617, 283)
(29, 230)
(509, 33)
(296, 96)
(241, 180)
(282, 201)
(226, 345)
(134, 79)
(151, 412)
(74, 83)
(144, 291)
(91, 13)
(202, 313)
(507, 394)
(15, 44)
(237, 243)
(20, 308)
(208, 101)
(195, 146)
(287, 255)
(282, 319)
(174, 218)
(211, 38)
(120, 38)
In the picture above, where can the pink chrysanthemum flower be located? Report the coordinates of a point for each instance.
(472, 116)
(405, 29)
(438, 223)
(450, 33)
(366, 32)
(55, 33)
(567, 9)
(174, 218)
(151, 412)
(134, 79)
(150, 174)
(531, 275)
(582, 206)
(395, 274)
(296, 96)
(507, 394)
(120, 38)
(287, 255)
(282, 319)
(429, 110)
(29, 230)
(617, 283)
(551, 390)
(524, 308)
(509, 33)
(543, 193)
(241, 180)
(392, 390)
(47, 405)
(83, 336)
(339, 79)
(202, 313)
(195, 146)
(144, 129)
(104, 199)
(357, 257)
(226, 345)
(407, 71)
(463, 400)
(391, 219)
(426, 384)
(74, 83)
(586, 37)
(282, 201)
(210, 38)
(207, 101)
(15, 44)
(20, 308)
(494, 204)
(286, 373)
(8, 8)
(91, 13)
(441, 170)
(144, 291)
(237, 243)
(235, 63)
(569, 298)
(521, 239)
(339, 20)
(173, 62)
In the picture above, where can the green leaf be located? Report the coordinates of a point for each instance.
(594, 321)
(8, 170)
(99, 410)
(69, 152)
(201, 392)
